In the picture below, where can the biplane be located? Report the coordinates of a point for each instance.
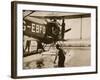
(44, 27)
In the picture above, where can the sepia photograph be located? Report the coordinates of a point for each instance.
(56, 39)
(53, 39)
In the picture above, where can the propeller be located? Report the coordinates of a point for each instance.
(63, 28)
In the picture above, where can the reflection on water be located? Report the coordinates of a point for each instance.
(75, 57)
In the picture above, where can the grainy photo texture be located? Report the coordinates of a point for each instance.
(54, 39)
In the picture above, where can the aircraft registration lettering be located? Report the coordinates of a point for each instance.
(44, 30)
(24, 28)
(38, 28)
(35, 28)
